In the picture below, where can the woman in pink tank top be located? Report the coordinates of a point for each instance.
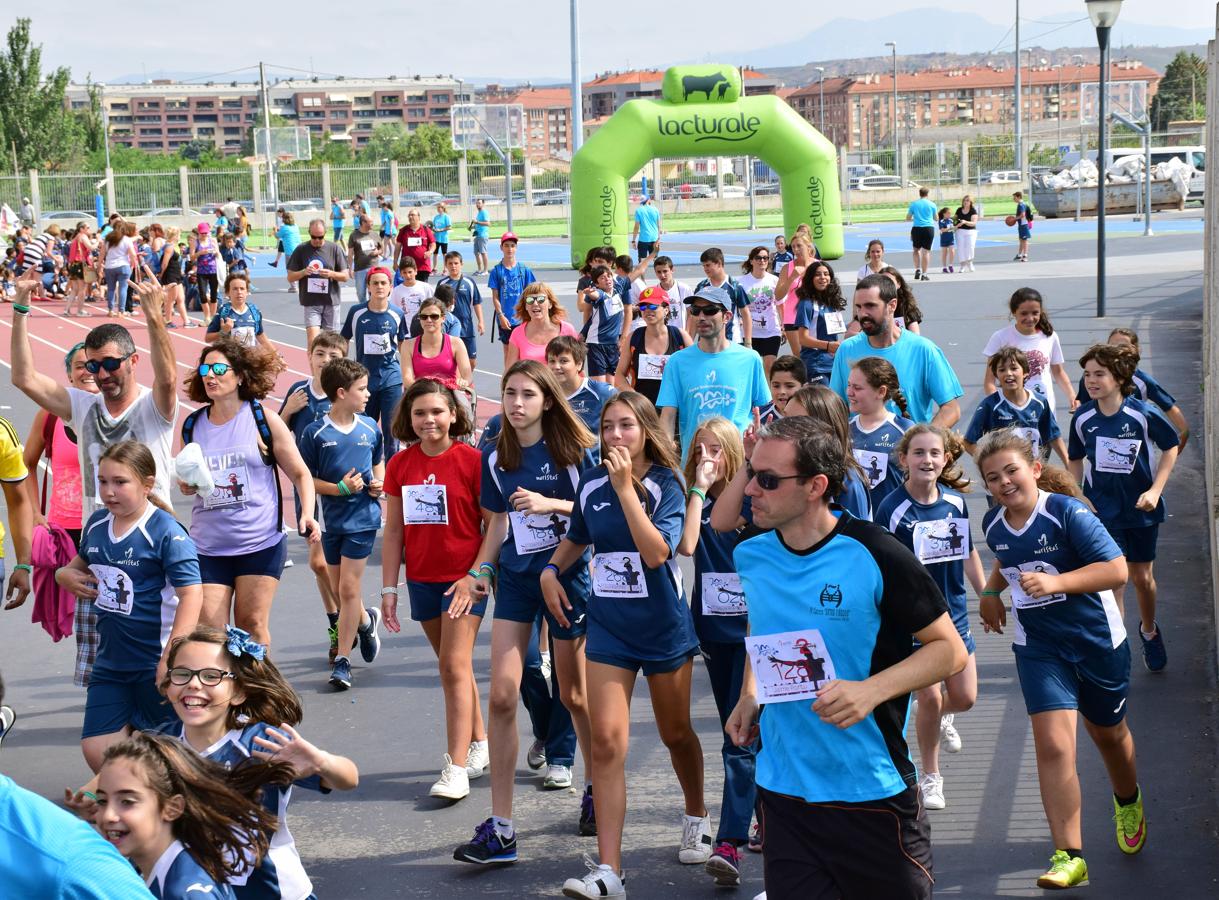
(435, 354)
(789, 279)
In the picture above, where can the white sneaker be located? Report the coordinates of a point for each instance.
(453, 784)
(557, 777)
(478, 759)
(696, 840)
(932, 787)
(545, 665)
(950, 740)
(601, 881)
(535, 756)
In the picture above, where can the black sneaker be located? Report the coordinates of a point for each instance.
(918, 274)
(588, 814)
(370, 641)
(7, 717)
(489, 847)
(340, 675)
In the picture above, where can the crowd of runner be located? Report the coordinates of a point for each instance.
(797, 445)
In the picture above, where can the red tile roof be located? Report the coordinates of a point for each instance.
(540, 98)
(974, 78)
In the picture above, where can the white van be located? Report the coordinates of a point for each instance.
(1192, 156)
(1007, 176)
(861, 170)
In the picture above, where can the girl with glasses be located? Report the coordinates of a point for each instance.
(435, 354)
(649, 347)
(237, 525)
(765, 305)
(542, 319)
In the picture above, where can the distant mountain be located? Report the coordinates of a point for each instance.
(925, 31)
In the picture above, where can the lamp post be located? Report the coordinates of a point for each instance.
(1058, 104)
(1019, 89)
(893, 118)
(1103, 14)
(821, 86)
(577, 89)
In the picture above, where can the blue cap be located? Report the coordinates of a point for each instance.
(715, 295)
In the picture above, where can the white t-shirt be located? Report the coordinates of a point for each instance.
(1042, 352)
(761, 293)
(96, 430)
(408, 298)
(119, 255)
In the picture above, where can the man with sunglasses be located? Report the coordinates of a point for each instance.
(826, 768)
(714, 377)
(122, 409)
(319, 268)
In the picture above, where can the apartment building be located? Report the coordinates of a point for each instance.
(608, 91)
(547, 117)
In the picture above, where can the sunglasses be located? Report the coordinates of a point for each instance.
(110, 364)
(217, 369)
(768, 481)
(761, 256)
(704, 310)
(429, 317)
(536, 301)
(317, 237)
(647, 307)
(181, 675)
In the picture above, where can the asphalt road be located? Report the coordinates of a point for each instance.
(389, 839)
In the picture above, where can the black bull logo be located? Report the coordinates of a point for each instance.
(704, 84)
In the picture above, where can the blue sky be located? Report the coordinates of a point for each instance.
(484, 39)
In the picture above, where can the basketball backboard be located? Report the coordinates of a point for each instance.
(1126, 97)
(286, 144)
(475, 125)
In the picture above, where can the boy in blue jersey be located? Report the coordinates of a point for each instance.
(237, 318)
(826, 769)
(602, 300)
(343, 451)
(1014, 406)
(713, 268)
(1115, 432)
(507, 282)
(378, 331)
(1072, 655)
(467, 302)
(304, 404)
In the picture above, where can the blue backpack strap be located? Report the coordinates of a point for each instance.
(188, 425)
(264, 432)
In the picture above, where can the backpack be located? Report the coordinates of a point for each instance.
(1028, 213)
(264, 433)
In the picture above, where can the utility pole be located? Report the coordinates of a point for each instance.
(577, 88)
(272, 181)
(1019, 95)
(893, 119)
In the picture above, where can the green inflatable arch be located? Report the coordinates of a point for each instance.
(703, 113)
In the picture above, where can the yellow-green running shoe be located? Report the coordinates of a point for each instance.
(1131, 824)
(1065, 871)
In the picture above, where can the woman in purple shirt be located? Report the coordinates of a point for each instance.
(237, 526)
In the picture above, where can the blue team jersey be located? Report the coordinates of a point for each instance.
(717, 600)
(465, 298)
(740, 300)
(604, 325)
(247, 324)
(177, 876)
(589, 400)
(510, 283)
(855, 497)
(330, 452)
(136, 574)
(867, 595)
(634, 611)
(700, 385)
(531, 539)
(1035, 420)
(1146, 389)
(376, 337)
(1120, 465)
(780, 260)
(938, 535)
(923, 370)
(824, 324)
(1061, 535)
(317, 405)
(876, 452)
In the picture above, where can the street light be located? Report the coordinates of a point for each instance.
(893, 118)
(821, 85)
(1103, 14)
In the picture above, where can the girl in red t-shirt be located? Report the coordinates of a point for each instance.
(433, 512)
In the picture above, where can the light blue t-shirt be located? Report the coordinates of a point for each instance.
(700, 385)
(648, 218)
(481, 220)
(440, 227)
(924, 213)
(289, 236)
(923, 371)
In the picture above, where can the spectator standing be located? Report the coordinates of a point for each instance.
(1024, 226)
(26, 212)
(416, 241)
(336, 219)
(319, 270)
(922, 213)
(646, 235)
(479, 226)
(442, 227)
(966, 218)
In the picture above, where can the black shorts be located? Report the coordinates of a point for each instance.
(441, 248)
(767, 346)
(645, 248)
(922, 237)
(823, 851)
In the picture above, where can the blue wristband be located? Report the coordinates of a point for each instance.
(552, 566)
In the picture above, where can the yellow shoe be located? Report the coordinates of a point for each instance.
(1131, 824)
(1065, 871)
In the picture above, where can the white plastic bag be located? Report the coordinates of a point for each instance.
(191, 468)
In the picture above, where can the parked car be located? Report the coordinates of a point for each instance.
(1006, 176)
(421, 198)
(884, 183)
(863, 170)
(690, 191)
(299, 206)
(551, 197)
(163, 211)
(487, 199)
(768, 187)
(74, 215)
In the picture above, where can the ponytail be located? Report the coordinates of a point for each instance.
(880, 373)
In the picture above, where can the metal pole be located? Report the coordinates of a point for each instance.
(821, 87)
(1018, 118)
(753, 213)
(894, 123)
(1102, 38)
(1058, 102)
(1147, 232)
(101, 95)
(577, 89)
(272, 181)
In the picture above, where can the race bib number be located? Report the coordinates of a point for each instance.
(317, 286)
(875, 465)
(368, 245)
(1033, 436)
(414, 242)
(425, 504)
(652, 366)
(230, 481)
(534, 533)
(941, 540)
(790, 666)
(378, 344)
(1021, 600)
(619, 575)
(115, 592)
(722, 594)
(1117, 455)
(245, 335)
(834, 323)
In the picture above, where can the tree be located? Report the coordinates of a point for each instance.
(328, 150)
(33, 117)
(430, 143)
(1182, 91)
(388, 141)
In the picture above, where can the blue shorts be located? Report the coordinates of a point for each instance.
(647, 666)
(338, 545)
(602, 359)
(471, 343)
(1138, 545)
(1024, 230)
(227, 569)
(518, 598)
(428, 600)
(1096, 686)
(118, 699)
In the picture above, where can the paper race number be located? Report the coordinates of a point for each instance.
(790, 666)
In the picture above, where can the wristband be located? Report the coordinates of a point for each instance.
(92, 796)
(557, 573)
(991, 594)
(18, 308)
(473, 574)
(487, 567)
(389, 590)
(702, 496)
(344, 490)
(25, 567)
